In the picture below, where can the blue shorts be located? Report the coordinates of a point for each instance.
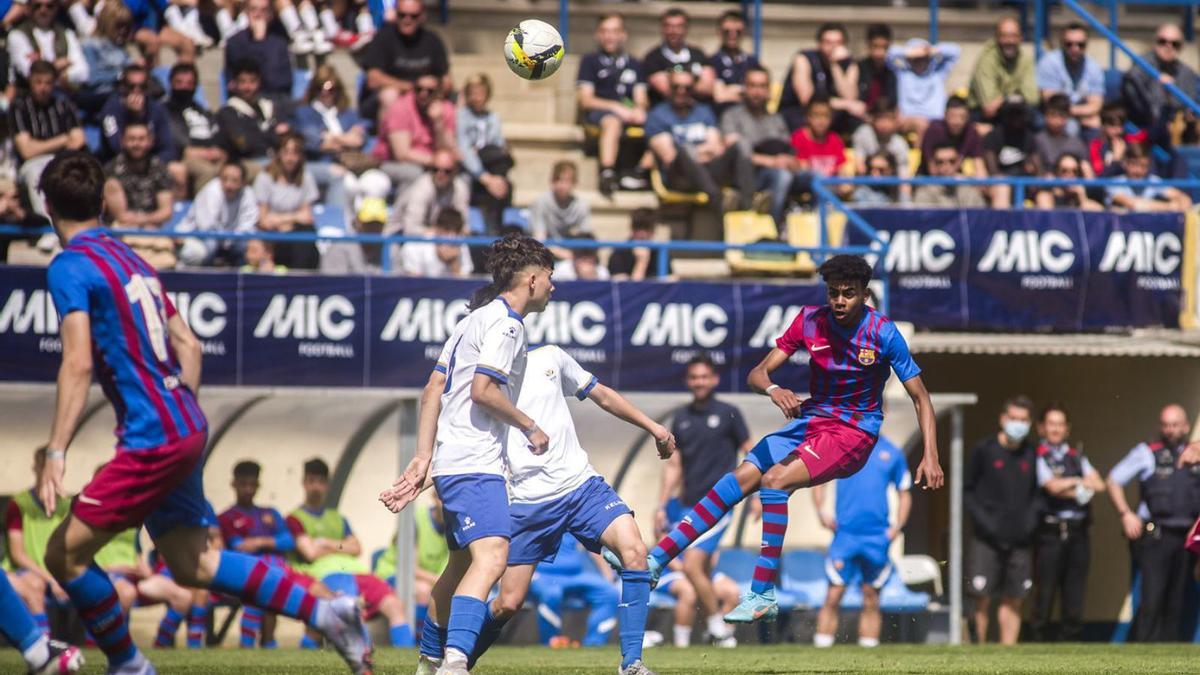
(858, 558)
(708, 542)
(586, 513)
(474, 506)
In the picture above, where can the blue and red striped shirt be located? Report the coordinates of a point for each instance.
(238, 523)
(848, 366)
(132, 355)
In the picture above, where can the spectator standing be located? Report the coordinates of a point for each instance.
(878, 165)
(1057, 139)
(827, 72)
(763, 137)
(400, 52)
(921, 70)
(225, 204)
(138, 192)
(560, 213)
(688, 148)
(42, 37)
(1062, 544)
(107, 55)
(264, 42)
(1068, 70)
(945, 162)
(1068, 167)
(1157, 529)
(673, 55)
(484, 152)
(1148, 103)
(1009, 150)
(957, 129)
(43, 122)
(611, 91)
(249, 125)
(132, 103)
(414, 128)
(1136, 165)
(428, 259)
(639, 263)
(882, 134)
(333, 133)
(876, 78)
(438, 189)
(1003, 70)
(285, 192)
(819, 150)
(1000, 493)
(193, 133)
(730, 62)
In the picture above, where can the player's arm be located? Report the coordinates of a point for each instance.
(1055, 486)
(349, 543)
(74, 378)
(818, 498)
(929, 469)
(1139, 462)
(406, 488)
(760, 382)
(282, 541)
(613, 403)
(487, 394)
(187, 350)
(306, 547)
(903, 509)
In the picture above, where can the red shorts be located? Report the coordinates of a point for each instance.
(1193, 539)
(160, 487)
(373, 591)
(829, 448)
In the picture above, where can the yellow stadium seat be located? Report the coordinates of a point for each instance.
(592, 131)
(748, 227)
(804, 231)
(914, 161)
(776, 96)
(668, 196)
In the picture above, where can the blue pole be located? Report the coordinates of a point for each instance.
(758, 29)
(1113, 22)
(664, 261)
(1039, 27)
(1019, 196)
(563, 26)
(444, 11)
(933, 21)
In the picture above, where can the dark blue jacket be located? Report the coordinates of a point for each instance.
(113, 118)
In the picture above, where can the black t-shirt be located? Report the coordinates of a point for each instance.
(613, 78)
(1012, 149)
(621, 262)
(731, 67)
(406, 58)
(661, 58)
(708, 436)
(1000, 491)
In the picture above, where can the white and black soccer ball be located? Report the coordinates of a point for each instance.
(534, 50)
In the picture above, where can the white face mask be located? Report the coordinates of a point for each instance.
(1016, 430)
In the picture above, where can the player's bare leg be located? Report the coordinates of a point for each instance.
(983, 611)
(827, 618)
(468, 611)
(697, 567)
(1008, 615)
(685, 611)
(870, 619)
(433, 633)
(623, 538)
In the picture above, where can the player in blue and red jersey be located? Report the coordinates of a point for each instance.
(117, 322)
(852, 351)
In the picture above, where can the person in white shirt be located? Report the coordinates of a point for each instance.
(41, 38)
(427, 259)
(466, 409)
(224, 204)
(583, 265)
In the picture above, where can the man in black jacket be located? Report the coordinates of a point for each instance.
(249, 125)
(999, 491)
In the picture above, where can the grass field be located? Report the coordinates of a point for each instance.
(1069, 658)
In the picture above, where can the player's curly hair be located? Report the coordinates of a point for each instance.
(845, 268)
(506, 257)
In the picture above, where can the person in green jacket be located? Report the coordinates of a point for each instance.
(433, 554)
(1003, 70)
(27, 529)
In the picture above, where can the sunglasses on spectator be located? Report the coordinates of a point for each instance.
(134, 86)
(944, 161)
(426, 90)
(44, 5)
(409, 15)
(1174, 44)
(1072, 43)
(681, 87)
(443, 171)
(880, 167)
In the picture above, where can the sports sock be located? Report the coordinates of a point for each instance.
(422, 611)
(252, 618)
(364, 23)
(632, 612)
(683, 636)
(308, 16)
(42, 621)
(720, 499)
(492, 627)
(174, 17)
(774, 526)
(307, 642)
(263, 585)
(717, 627)
(466, 619)
(868, 642)
(822, 640)
(93, 595)
(401, 635)
(291, 21)
(167, 628)
(197, 624)
(433, 638)
(16, 624)
(330, 23)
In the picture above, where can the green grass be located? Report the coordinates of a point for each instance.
(1068, 658)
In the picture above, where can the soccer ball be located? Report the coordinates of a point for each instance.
(534, 50)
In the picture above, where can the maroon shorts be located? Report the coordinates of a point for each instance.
(829, 448)
(160, 487)
(373, 591)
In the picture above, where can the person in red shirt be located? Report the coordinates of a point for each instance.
(821, 153)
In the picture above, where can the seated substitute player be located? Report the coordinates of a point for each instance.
(466, 409)
(27, 529)
(830, 435)
(559, 492)
(862, 534)
(149, 365)
(327, 549)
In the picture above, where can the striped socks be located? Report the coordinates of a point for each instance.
(93, 595)
(167, 628)
(252, 618)
(774, 525)
(197, 625)
(723, 496)
(263, 585)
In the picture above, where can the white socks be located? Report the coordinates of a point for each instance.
(822, 641)
(291, 20)
(39, 652)
(364, 23)
(868, 642)
(308, 16)
(683, 636)
(717, 626)
(330, 23)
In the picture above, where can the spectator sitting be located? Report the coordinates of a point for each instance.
(1068, 167)
(224, 204)
(689, 150)
(437, 189)
(1147, 101)
(827, 72)
(131, 103)
(333, 132)
(957, 129)
(303, 27)
(730, 62)
(879, 165)
(763, 136)
(1056, 139)
(1107, 150)
(417, 125)
(43, 122)
(183, 17)
(640, 263)
(945, 162)
(1008, 150)
(264, 43)
(881, 135)
(1070, 71)
(1144, 198)
(138, 191)
(193, 133)
(819, 150)
(151, 37)
(675, 54)
(248, 125)
(483, 151)
(260, 258)
(611, 91)
(922, 69)
(1002, 71)
(427, 259)
(559, 213)
(285, 192)
(875, 76)
(399, 53)
(42, 37)
(582, 265)
(107, 55)
(572, 573)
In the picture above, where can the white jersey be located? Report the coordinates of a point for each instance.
(490, 340)
(550, 375)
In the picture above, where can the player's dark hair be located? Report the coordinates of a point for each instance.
(832, 26)
(879, 30)
(42, 67)
(1019, 401)
(247, 469)
(316, 467)
(845, 268)
(73, 183)
(1053, 407)
(506, 257)
(701, 359)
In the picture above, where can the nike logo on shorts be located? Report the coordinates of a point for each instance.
(809, 450)
(817, 349)
(88, 500)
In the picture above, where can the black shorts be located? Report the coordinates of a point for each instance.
(996, 571)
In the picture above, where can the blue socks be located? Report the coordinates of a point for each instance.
(433, 637)
(632, 613)
(15, 623)
(93, 595)
(492, 627)
(774, 527)
(307, 642)
(466, 620)
(402, 636)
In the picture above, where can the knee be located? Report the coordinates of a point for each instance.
(774, 479)
(611, 124)
(507, 606)
(870, 599)
(694, 564)
(633, 555)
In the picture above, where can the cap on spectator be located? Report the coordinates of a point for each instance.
(373, 210)
(374, 184)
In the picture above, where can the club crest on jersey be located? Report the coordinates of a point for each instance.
(268, 520)
(866, 356)
(714, 421)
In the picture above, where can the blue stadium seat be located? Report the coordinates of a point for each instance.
(802, 573)
(181, 207)
(327, 217)
(375, 556)
(1112, 84)
(516, 216)
(475, 223)
(300, 79)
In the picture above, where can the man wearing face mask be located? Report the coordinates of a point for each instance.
(1158, 529)
(1067, 481)
(194, 131)
(999, 491)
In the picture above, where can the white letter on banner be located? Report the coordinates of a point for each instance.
(1165, 263)
(1121, 253)
(21, 313)
(204, 314)
(282, 318)
(1056, 263)
(583, 334)
(330, 328)
(658, 326)
(773, 324)
(932, 242)
(704, 314)
(1004, 254)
